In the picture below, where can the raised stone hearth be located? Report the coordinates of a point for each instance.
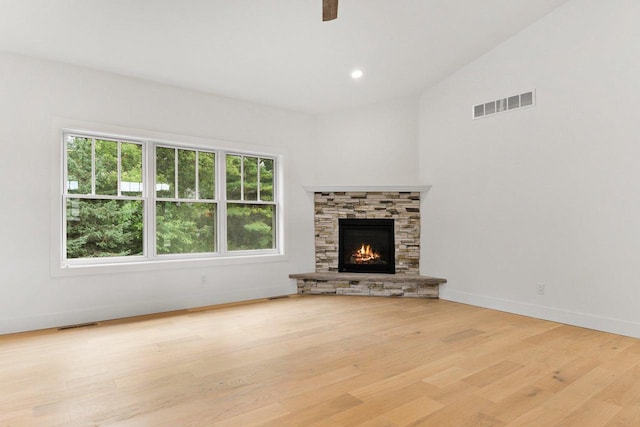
(389, 285)
(402, 204)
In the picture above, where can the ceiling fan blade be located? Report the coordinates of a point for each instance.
(329, 10)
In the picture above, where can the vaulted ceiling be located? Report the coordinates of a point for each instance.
(273, 52)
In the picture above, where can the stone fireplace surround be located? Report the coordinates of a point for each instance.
(399, 203)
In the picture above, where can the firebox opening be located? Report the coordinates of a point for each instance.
(366, 246)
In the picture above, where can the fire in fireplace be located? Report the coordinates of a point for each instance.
(366, 246)
(364, 255)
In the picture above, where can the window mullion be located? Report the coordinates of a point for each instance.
(258, 181)
(197, 175)
(93, 166)
(241, 177)
(221, 188)
(119, 169)
(65, 166)
(149, 175)
(65, 194)
(175, 173)
(275, 184)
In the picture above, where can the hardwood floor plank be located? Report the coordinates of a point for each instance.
(503, 388)
(628, 416)
(593, 413)
(460, 413)
(410, 412)
(624, 390)
(316, 413)
(380, 403)
(446, 376)
(492, 374)
(255, 417)
(518, 403)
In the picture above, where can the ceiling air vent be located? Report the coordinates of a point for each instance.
(526, 99)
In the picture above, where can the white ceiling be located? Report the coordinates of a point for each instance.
(274, 52)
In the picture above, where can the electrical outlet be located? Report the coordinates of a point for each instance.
(203, 279)
(540, 288)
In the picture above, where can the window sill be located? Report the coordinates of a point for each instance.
(163, 264)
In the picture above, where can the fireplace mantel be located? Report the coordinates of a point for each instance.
(366, 188)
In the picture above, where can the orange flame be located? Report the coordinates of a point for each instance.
(366, 254)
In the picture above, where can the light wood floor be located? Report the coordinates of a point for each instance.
(322, 361)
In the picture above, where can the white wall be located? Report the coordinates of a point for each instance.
(374, 145)
(35, 95)
(549, 194)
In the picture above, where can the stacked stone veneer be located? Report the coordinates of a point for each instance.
(388, 285)
(403, 207)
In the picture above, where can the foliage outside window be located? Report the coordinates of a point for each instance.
(116, 206)
(251, 209)
(104, 198)
(185, 201)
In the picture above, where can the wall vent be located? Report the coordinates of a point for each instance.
(526, 99)
(79, 325)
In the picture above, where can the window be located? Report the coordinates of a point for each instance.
(104, 204)
(187, 203)
(251, 209)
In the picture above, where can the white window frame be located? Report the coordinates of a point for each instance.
(152, 243)
(93, 196)
(63, 266)
(274, 203)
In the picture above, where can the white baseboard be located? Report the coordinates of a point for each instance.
(585, 320)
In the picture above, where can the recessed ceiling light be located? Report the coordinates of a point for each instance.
(356, 74)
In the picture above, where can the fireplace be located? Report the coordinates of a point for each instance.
(337, 253)
(366, 246)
